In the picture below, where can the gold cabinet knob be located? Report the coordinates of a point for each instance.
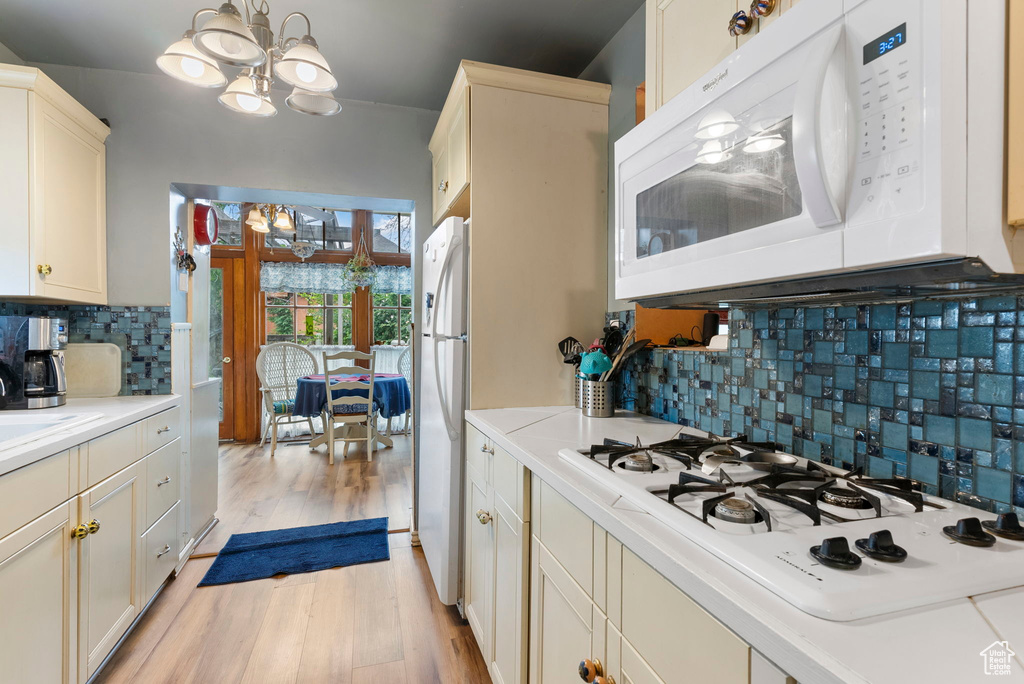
(762, 8)
(590, 670)
(80, 531)
(740, 24)
(483, 516)
(93, 526)
(44, 269)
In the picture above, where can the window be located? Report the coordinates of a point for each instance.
(329, 230)
(309, 318)
(392, 233)
(392, 318)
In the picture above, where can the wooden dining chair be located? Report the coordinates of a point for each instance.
(351, 411)
(279, 367)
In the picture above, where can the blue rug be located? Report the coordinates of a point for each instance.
(259, 555)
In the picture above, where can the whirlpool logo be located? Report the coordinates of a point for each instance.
(713, 83)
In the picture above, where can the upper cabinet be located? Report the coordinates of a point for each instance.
(449, 147)
(686, 38)
(53, 190)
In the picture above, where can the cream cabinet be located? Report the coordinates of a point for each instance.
(53, 190)
(686, 38)
(449, 147)
(38, 600)
(75, 577)
(110, 576)
(496, 556)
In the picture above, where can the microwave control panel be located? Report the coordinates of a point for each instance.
(884, 48)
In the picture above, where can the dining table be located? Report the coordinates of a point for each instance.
(390, 393)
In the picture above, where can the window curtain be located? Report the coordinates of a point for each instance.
(277, 276)
(397, 279)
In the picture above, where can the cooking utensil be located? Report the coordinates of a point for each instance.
(625, 353)
(758, 460)
(613, 339)
(570, 348)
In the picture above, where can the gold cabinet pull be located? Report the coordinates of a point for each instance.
(80, 531)
(166, 480)
(762, 8)
(740, 24)
(44, 270)
(590, 669)
(93, 526)
(605, 680)
(483, 516)
(166, 550)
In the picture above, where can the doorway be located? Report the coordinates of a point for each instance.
(222, 339)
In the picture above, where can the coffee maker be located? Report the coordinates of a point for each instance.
(32, 362)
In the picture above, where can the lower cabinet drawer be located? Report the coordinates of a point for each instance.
(161, 429)
(566, 532)
(111, 453)
(655, 612)
(28, 492)
(161, 552)
(163, 481)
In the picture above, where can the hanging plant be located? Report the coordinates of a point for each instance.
(359, 269)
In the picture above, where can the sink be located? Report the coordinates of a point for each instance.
(18, 428)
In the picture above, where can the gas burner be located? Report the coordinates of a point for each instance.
(736, 510)
(844, 497)
(639, 462)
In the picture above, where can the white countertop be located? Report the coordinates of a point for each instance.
(939, 643)
(116, 412)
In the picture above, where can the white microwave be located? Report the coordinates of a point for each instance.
(849, 136)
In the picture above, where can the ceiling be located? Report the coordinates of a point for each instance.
(402, 52)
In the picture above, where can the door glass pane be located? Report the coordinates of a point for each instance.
(217, 331)
(742, 179)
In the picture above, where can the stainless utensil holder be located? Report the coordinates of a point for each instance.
(597, 399)
(577, 391)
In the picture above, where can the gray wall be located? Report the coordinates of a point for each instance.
(8, 57)
(620, 63)
(165, 132)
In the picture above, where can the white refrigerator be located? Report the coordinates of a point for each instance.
(442, 364)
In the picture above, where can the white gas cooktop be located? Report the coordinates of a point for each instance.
(769, 515)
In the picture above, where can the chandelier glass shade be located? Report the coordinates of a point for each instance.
(242, 97)
(228, 38)
(186, 63)
(317, 104)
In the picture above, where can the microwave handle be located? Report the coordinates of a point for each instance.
(807, 142)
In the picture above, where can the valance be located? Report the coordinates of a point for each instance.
(277, 276)
(397, 279)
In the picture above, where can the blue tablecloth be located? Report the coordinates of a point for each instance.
(391, 392)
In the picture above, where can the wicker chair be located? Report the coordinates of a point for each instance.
(350, 411)
(279, 366)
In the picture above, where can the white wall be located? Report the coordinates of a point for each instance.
(620, 63)
(8, 57)
(165, 132)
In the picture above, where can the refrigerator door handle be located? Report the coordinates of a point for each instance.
(454, 245)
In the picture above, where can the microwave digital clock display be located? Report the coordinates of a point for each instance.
(886, 43)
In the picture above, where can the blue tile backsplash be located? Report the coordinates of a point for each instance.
(142, 333)
(932, 390)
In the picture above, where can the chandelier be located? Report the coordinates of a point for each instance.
(228, 39)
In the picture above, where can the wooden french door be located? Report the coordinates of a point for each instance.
(222, 339)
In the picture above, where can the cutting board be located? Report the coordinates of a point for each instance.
(94, 369)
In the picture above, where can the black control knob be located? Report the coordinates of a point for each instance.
(1006, 526)
(880, 546)
(969, 531)
(835, 553)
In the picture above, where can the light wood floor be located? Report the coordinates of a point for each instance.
(379, 623)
